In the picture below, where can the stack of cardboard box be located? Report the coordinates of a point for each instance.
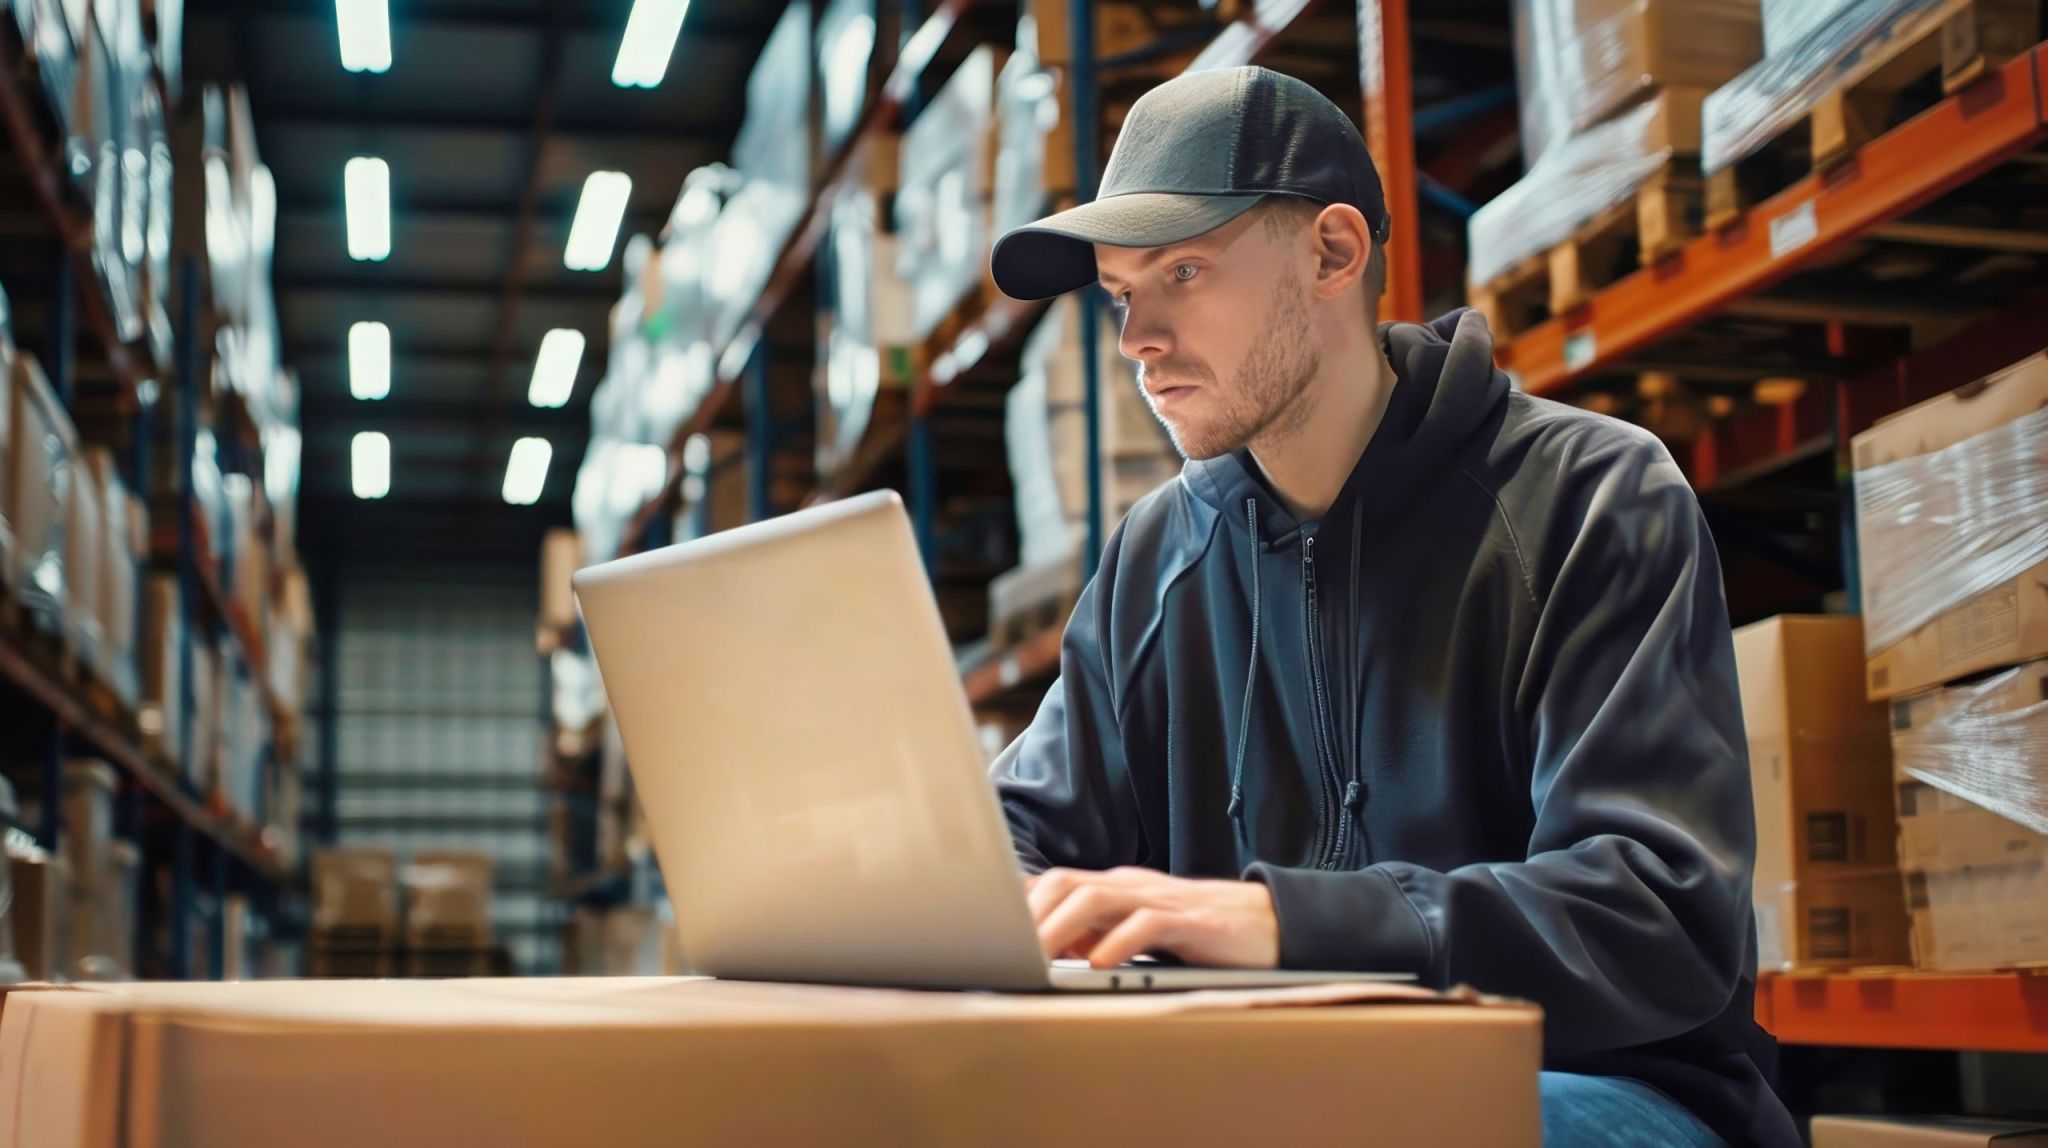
(447, 914)
(1046, 432)
(1826, 882)
(1952, 519)
(102, 872)
(355, 913)
(41, 456)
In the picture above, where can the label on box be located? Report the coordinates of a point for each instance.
(1794, 230)
(1984, 623)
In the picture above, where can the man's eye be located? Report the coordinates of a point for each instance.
(1184, 272)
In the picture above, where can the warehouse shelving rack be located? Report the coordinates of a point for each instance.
(208, 847)
(2002, 1011)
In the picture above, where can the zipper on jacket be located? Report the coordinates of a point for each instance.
(1335, 830)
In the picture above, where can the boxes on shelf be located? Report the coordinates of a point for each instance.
(85, 537)
(162, 713)
(942, 202)
(202, 766)
(43, 449)
(88, 830)
(1926, 1131)
(1032, 599)
(40, 912)
(1045, 434)
(561, 555)
(10, 571)
(1034, 136)
(867, 339)
(241, 781)
(355, 899)
(1950, 500)
(102, 942)
(1972, 772)
(714, 495)
(1826, 883)
(50, 31)
(122, 554)
(1819, 50)
(1577, 63)
(849, 70)
(1120, 28)
(247, 574)
(10, 817)
(447, 901)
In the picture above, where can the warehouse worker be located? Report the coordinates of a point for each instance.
(1407, 671)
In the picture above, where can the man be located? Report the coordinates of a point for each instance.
(1408, 670)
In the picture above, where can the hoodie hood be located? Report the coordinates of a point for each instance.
(1446, 389)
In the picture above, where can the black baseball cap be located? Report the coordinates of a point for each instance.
(1195, 153)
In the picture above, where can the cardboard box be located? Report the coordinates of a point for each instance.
(1972, 772)
(43, 448)
(702, 1062)
(89, 789)
(561, 555)
(162, 714)
(355, 898)
(447, 900)
(209, 704)
(1945, 494)
(1826, 884)
(1926, 1132)
(1120, 28)
(1580, 61)
(40, 913)
(85, 538)
(119, 571)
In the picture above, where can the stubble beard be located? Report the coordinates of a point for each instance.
(1266, 401)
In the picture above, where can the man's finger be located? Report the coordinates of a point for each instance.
(1052, 887)
(1092, 909)
(1143, 930)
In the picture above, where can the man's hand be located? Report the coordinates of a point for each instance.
(1110, 917)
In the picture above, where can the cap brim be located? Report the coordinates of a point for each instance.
(1057, 254)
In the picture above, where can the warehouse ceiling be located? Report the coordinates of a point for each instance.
(492, 114)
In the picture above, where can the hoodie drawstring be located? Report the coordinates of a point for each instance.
(1251, 677)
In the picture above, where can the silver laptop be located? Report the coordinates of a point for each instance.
(809, 766)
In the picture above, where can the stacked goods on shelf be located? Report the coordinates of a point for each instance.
(38, 911)
(1952, 521)
(866, 332)
(942, 198)
(1831, 72)
(161, 716)
(1826, 879)
(622, 941)
(41, 450)
(206, 689)
(124, 549)
(447, 914)
(84, 554)
(773, 153)
(102, 873)
(1046, 433)
(11, 970)
(714, 490)
(355, 930)
(849, 70)
(561, 555)
(1610, 106)
(9, 572)
(1034, 163)
(1924, 1131)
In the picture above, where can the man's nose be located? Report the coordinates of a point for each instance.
(1145, 337)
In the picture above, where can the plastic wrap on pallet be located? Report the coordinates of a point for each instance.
(1577, 61)
(1778, 91)
(1575, 180)
(1786, 22)
(1942, 527)
(1027, 111)
(942, 202)
(773, 155)
(846, 53)
(870, 322)
(1985, 742)
(51, 35)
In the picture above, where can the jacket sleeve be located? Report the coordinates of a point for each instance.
(1628, 921)
(1064, 784)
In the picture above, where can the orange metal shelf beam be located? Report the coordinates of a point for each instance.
(1937, 151)
(1977, 1012)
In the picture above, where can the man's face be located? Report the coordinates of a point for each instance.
(1220, 329)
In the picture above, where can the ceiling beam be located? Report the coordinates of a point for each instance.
(322, 410)
(432, 214)
(698, 26)
(282, 115)
(601, 290)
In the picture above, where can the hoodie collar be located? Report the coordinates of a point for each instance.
(1445, 388)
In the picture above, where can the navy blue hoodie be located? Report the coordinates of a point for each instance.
(1478, 723)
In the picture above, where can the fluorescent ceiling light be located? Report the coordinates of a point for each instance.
(365, 27)
(554, 369)
(527, 472)
(598, 215)
(371, 472)
(369, 360)
(650, 39)
(366, 184)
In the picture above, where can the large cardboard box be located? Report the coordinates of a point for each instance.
(42, 449)
(1972, 763)
(1580, 61)
(1926, 1132)
(1951, 497)
(447, 900)
(680, 1062)
(355, 898)
(162, 716)
(1826, 884)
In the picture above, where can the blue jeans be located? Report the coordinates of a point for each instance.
(1616, 1112)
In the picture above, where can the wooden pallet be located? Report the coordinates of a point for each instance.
(1941, 48)
(1664, 213)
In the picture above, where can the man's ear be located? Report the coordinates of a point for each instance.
(1343, 246)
